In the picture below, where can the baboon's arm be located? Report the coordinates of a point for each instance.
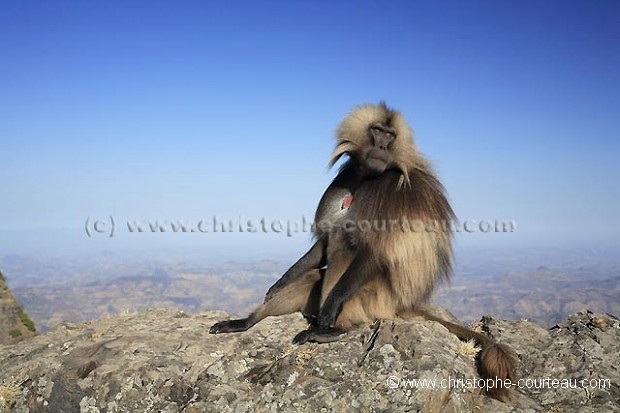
(361, 270)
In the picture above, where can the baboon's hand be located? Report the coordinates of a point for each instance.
(326, 318)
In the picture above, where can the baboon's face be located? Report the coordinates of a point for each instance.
(377, 156)
(376, 139)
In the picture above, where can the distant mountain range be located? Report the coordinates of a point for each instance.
(510, 286)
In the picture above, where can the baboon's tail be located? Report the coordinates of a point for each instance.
(496, 362)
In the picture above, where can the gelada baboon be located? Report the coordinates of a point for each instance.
(383, 241)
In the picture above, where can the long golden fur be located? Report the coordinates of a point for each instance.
(400, 205)
(383, 233)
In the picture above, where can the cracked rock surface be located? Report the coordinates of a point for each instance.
(166, 361)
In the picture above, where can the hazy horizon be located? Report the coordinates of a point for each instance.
(68, 244)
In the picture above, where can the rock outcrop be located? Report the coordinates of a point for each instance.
(15, 325)
(165, 361)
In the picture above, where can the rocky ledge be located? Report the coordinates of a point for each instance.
(165, 361)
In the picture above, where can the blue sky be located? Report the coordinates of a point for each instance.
(185, 110)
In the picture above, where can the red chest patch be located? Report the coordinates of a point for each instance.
(347, 201)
